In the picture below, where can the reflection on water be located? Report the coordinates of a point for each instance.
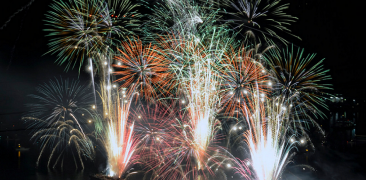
(60, 175)
(21, 165)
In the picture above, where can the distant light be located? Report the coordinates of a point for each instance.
(248, 163)
(262, 99)
(90, 67)
(290, 105)
(124, 95)
(114, 86)
(262, 95)
(123, 91)
(125, 101)
(284, 108)
(302, 141)
(270, 83)
(89, 121)
(245, 91)
(183, 101)
(105, 63)
(108, 87)
(263, 71)
(231, 92)
(292, 140)
(110, 70)
(234, 128)
(139, 117)
(119, 63)
(106, 113)
(228, 165)
(93, 106)
(239, 127)
(276, 104)
(157, 138)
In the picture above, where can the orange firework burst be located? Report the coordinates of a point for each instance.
(240, 72)
(143, 68)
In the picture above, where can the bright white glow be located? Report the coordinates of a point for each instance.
(114, 86)
(262, 95)
(292, 140)
(239, 127)
(124, 92)
(228, 165)
(105, 63)
(108, 87)
(125, 101)
(157, 138)
(197, 40)
(231, 92)
(283, 108)
(124, 95)
(276, 104)
(270, 83)
(245, 91)
(234, 128)
(110, 70)
(302, 141)
(139, 117)
(90, 67)
(262, 99)
(119, 63)
(248, 163)
(263, 71)
(290, 105)
(93, 106)
(89, 121)
(183, 101)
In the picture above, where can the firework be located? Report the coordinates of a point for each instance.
(196, 131)
(301, 80)
(142, 68)
(267, 138)
(116, 132)
(58, 116)
(265, 18)
(60, 100)
(82, 29)
(240, 72)
(62, 137)
(187, 19)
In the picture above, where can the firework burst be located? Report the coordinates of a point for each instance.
(142, 68)
(58, 116)
(265, 18)
(240, 72)
(299, 78)
(81, 29)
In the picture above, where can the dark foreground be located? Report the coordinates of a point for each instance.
(330, 163)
